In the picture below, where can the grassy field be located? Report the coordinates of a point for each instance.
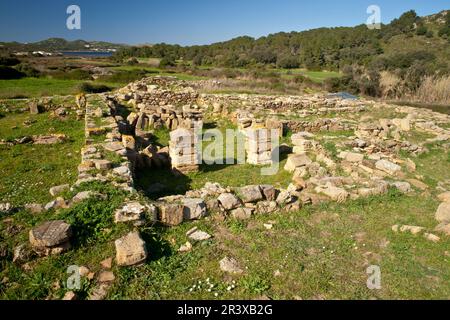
(41, 87)
(28, 171)
(316, 76)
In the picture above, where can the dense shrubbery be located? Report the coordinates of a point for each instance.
(8, 73)
(28, 70)
(8, 61)
(77, 74)
(124, 76)
(88, 87)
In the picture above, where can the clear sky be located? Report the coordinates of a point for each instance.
(188, 22)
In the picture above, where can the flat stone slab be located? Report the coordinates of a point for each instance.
(130, 250)
(50, 234)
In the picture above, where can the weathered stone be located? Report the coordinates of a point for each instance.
(444, 197)
(103, 164)
(336, 194)
(404, 187)
(229, 201)
(432, 237)
(270, 193)
(106, 276)
(84, 195)
(354, 157)
(34, 107)
(171, 214)
(107, 263)
(241, 213)
(296, 161)
(194, 208)
(443, 212)
(100, 292)
(34, 207)
(418, 184)
(50, 234)
(5, 207)
(266, 207)
(198, 235)
(213, 205)
(284, 198)
(57, 190)
(70, 296)
(443, 228)
(230, 265)
(129, 213)
(130, 250)
(251, 194)
(49, 139)
(21, 254)
(388, 167)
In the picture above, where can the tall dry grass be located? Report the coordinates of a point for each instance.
(434, 90)
(390, 85)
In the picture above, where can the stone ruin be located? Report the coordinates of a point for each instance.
(371, 166)
(259, 146)
(184, 151)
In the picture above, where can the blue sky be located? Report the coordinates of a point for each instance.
(188, 22)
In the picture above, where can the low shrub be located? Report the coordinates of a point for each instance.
(8, 73)
(89, 87)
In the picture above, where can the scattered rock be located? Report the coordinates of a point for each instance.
(185, 247)
(103, 164)
(131, 212)
(21, 254)
(388, 167)
(5, 207)
(194, 208)
(100, 292)
(296, 161)
(51, 238)
(198, 235)
(57, 190)
(418, 184)
(444, 197)
(251, 194)
(106, 276)
(130, 250)
(242, 213)
(230, 265)
(229, 201)
(171, 214)
(34, 208)
(270, 193)
(107, 263)
(70, 296)
(432, 237)
(443, 213)
(403, 187)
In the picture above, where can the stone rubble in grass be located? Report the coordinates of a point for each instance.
(230, 265)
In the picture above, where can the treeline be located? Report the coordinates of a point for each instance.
(319, 49)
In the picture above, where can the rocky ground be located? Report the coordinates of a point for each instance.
(361, 183)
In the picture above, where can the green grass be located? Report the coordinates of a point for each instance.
(28, 171)
(316, 76)
(39, 87)
(321, 252)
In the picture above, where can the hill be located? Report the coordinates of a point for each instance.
(59, 44)
(324, 48)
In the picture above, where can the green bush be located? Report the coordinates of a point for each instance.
(288, 62)
(124, 76)
(8, 73)
(77, 74)
(167, 62)
(88, 87)
(28, 70)
(9, 61)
